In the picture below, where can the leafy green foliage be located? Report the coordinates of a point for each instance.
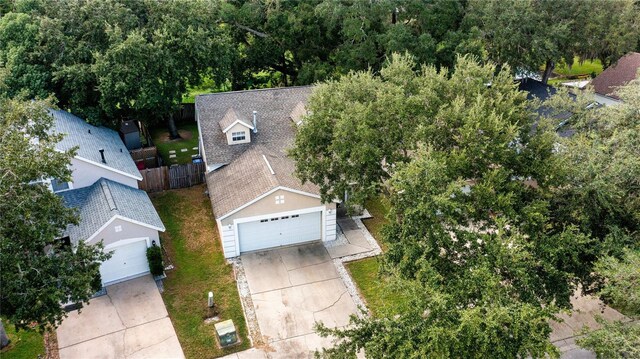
(469, 184)
(601, 194)
(528, 33)
(301, 42)
(38, 271)
(154, 257)
(112, 59)
(615, 340)
(622, 286)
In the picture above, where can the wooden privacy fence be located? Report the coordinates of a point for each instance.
(148, 155)
(177, 176)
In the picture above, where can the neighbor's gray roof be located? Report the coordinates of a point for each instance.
(246, 175)
(100, 202)
(90, 139)
(249, 176)
(274, 124)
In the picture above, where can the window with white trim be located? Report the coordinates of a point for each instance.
(57, 185)
(280, 199)
(238, 136)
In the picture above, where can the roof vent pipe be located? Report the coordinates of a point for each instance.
(255, 121)
(102, 155)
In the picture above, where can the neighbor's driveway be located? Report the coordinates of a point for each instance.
(292, 288)
(131, 321)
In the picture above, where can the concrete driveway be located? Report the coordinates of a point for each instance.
(292, 288)
(131, 321)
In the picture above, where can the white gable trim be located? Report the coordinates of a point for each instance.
(117, 216)
(102, 165)
(265, 195)
(236, 122)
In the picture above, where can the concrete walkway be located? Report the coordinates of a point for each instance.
(351, 240)
(585, 310)
(131, 321)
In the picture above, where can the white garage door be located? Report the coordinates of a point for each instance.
(127, 261)
(280, 231)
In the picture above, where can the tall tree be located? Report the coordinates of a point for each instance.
(473, 231)
(145, 72)
(79, 51)
(301, 42)
(602, 194)
(39, 272)
(528, 34)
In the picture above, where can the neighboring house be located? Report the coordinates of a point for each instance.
(257, 201)
(104, 190)
(101, 153)
(615, 76)
(537, 90)
(123, 218)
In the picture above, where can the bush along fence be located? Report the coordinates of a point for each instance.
(177, 176)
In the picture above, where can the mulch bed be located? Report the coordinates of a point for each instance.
(51, 345)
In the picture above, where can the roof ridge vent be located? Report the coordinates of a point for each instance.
(268, 164)
(108, 196)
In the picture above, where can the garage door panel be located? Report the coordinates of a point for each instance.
(279, 231)
(127, 261)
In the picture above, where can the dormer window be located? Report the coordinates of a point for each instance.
(238, 136)
(237, 129)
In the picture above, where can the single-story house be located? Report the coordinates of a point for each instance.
(257, 200)
(104, 191)
(616, 75)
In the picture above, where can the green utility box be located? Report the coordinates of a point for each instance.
(226, 333)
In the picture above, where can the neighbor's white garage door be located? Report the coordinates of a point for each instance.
(128, 261)
(280, 231)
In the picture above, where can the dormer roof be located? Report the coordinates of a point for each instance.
(297, 113)
(273, 106)
(230, 119)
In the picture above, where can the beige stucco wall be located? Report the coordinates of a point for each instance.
(238, 128)
(129, 230)
(292, 201)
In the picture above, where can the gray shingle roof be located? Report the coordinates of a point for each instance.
(100, 202)
(247, 175)
(90, 139)
(230, 118)
(297, 113)
(274, 124)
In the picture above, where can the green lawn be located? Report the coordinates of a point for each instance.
(23, 345)
(378, 208)
(207, 86)
(584, 70)
(189, 140)
(378, 290)
(191, 241)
